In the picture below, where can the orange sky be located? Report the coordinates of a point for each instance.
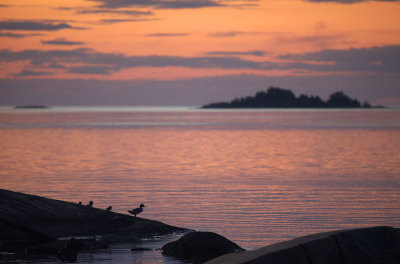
(183, 39)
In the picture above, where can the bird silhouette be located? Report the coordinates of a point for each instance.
(137, 210)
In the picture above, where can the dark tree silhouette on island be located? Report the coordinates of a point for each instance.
(276, 97)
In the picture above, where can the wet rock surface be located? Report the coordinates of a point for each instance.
(141, 249)
(67, 254)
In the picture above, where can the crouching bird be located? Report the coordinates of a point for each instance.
(137, 210)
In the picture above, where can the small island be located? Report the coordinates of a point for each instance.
(276, 97)
(31, 107)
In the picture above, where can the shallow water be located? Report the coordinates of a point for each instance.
(254, 176)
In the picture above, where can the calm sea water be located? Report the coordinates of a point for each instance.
(254, 176)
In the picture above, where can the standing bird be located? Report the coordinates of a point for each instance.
(137, 210)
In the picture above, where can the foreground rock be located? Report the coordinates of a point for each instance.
(33, 219)
(375, 245)
(199, 247)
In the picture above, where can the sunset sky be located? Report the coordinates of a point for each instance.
(192, 52)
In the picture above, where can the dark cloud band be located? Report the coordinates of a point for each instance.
(29, 73)
(33, 25)
(158, 4)
(87, 61)
(376, 59)
(162, 35)
(119, 61)
(133, 13)
(257, 53)
(348, 1)
(61, 42)
(15, 35)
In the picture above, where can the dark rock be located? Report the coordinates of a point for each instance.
(375, 245)
(67, 254)
(103, 244)
(200, 246)
(74, 243)
(12, 257)
(29, 222)
(43, 249)
(323, 250)
(141, 249)
(370, 245)
(33, 218)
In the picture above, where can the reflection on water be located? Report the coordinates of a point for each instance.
(256, 177)
(117, 253)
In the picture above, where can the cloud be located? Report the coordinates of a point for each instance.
(348, 1)
(121, 20)
(55, 66)
(101, 70)
(241, 4)
(39, 57)
(191, 62)
(61, 42)
(376, 59)
(134, 13)
(14, 35)
(322, 41)
(158, 4)
(137, 15)
(29, 73)
(227, 34)
(34, 25)
(167, 35)
(116, 62)
(63, 8)
(186, 4)
(257, 53)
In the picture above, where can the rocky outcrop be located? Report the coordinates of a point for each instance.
(26, 217)
(375, 245)
(199, 247)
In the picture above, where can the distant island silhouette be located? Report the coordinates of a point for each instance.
(276, 97)
(31, 107)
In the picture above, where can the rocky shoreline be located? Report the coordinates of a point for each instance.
(371, 245)
(35, 226)
(29, 222)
